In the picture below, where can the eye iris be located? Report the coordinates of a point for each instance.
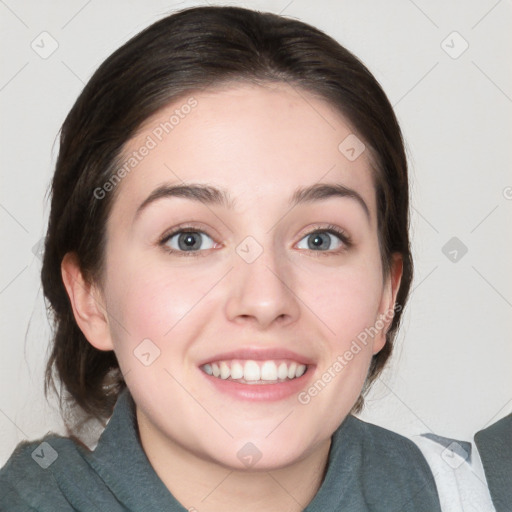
(316, 241)
(187, 241)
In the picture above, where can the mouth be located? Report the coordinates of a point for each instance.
(254, 371)
(258, 375)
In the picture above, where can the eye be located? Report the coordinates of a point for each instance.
(325, 239)
(185, 240)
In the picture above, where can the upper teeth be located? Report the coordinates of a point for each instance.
(252, 371)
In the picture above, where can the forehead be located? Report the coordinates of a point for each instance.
(254, 141)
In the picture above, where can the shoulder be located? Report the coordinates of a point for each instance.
(494, 447)
(27, 480)
(497, 434)
(391, 467)
(378, 441)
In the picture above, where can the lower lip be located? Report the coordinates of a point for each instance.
(261, 392)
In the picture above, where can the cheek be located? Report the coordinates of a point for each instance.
(346, 300)
(347, 303)
(151, 325)
(151, 301)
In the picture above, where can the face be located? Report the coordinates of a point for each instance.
(238, 316)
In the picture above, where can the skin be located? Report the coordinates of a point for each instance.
(259, 143)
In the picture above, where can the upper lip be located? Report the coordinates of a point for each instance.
(259, 354)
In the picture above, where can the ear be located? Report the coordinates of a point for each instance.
(87, 303)
(387, 304)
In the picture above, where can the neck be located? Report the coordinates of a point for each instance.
(202, 485)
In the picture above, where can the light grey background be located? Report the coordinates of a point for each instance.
(451, 373)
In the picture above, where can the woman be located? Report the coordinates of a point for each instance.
(227, 259)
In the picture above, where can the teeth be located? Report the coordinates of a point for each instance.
(291, 370)
(253, 371)
(224, 370)
(237, 371)
(300, 370)
(282, 371)
(269, 371)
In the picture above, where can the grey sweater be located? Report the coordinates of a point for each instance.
(495, 448)
(369, 469)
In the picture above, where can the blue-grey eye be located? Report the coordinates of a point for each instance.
(322, 241)
(188, 241)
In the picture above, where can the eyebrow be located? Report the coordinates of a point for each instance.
(210, 195)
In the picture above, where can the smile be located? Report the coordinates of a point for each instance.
(255, 372)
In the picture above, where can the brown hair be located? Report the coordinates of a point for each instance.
(195, 49)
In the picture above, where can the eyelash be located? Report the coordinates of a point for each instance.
(333, 230)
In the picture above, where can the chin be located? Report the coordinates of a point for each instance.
(253, 453)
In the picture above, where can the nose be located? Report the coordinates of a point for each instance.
(262, 291)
